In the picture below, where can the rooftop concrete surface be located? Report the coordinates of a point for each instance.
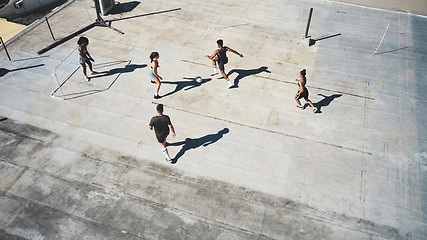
(248, 163)
(415, 6)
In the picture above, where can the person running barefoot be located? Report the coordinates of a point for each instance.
(303, 91)
(84, 56)
(220, 57)
(161, 124)
(155, 77)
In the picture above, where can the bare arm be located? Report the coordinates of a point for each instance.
(173, 130)
(83, 48)
(213, 55)
(90, 57)
(234, 51)
(150, 127)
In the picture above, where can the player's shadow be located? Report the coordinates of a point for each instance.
(4, 71)
(126, 69)
(193, 143)
(242, 73)
(188, 83)
(325, 101)
(103, 84)
(124, 7)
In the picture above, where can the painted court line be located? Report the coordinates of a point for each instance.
(294, 83)
(265, 130)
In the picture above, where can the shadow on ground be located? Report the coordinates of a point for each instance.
(325, 101)
(144, 15)
(188, 84)
(127, 69)
(4, 71)
(242, 73)
(114, 71)
(193, 143)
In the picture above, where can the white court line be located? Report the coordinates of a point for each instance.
(378, 8)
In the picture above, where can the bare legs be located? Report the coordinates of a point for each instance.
(165, 151)
(224, 75)
(308, 101)
(215, 71)
(84, 68)
(230, 85)
(156, 95)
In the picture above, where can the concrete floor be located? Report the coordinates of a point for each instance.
(249, 164)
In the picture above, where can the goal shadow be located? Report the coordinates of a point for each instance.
(76, 85)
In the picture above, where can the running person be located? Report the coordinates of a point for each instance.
(161, 124)
(84, 56)
(220, 57)
(155, 77)
(303, 91)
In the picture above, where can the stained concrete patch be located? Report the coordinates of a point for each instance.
(10, 173)
(154, 202)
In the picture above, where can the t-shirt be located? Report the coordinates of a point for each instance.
(161, 125)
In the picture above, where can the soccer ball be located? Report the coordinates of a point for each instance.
(199, 79)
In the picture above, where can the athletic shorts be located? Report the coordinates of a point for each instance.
(161, 140)
(221, 66)
(152, 74)
(304, 94)
(82, 59)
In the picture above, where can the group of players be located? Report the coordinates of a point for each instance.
(161, 123)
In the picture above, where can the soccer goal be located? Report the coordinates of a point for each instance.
(62, 73)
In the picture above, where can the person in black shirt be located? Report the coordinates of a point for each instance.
(161, 124)
(220, 56)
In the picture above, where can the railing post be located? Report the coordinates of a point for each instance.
(4, 46)
(48, 25)
(308, 22)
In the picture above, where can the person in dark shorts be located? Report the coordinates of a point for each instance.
(220, 57)
(303, 91)
(161, 124)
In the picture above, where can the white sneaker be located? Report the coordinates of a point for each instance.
(168, 158)
(230, 85)
(215, 71)
(87, 78)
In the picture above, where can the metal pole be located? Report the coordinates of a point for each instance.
(308, 22)
(4, 45)
(48, 25)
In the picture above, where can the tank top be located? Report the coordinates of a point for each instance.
(222, 55)
(305, 81)
(157, 64)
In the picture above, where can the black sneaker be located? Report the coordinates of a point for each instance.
(157, 96)
(153, 81)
